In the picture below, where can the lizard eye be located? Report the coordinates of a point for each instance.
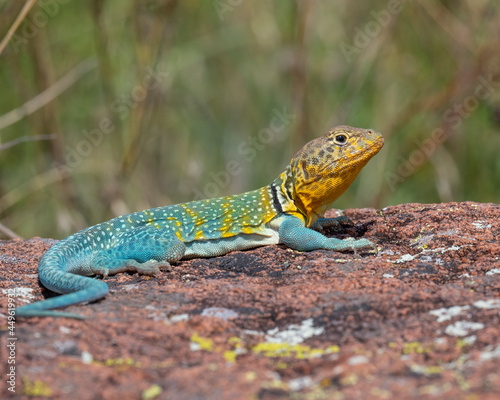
(340, 139)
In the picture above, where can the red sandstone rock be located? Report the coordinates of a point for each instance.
(420, 319)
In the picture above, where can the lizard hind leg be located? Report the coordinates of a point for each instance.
(144, 249)
(106, 265)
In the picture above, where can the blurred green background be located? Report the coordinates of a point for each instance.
(113, 106)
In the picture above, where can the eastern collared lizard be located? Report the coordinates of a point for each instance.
(289, 210)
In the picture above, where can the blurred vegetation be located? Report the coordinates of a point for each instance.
(113, 106)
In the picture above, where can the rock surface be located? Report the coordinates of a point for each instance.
(420, 319)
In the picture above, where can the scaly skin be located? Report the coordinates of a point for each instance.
(289, 210)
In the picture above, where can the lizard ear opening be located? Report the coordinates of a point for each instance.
(303, 167)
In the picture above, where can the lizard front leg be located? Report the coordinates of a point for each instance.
(295, 235)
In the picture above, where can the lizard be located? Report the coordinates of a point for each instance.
(290, 211)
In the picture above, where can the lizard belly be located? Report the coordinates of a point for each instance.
(224, 245)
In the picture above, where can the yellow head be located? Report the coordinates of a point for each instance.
(325, 167)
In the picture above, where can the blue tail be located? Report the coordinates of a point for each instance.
(92, 289)
(56, 275)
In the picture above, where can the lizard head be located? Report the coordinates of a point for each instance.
(325, 167)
